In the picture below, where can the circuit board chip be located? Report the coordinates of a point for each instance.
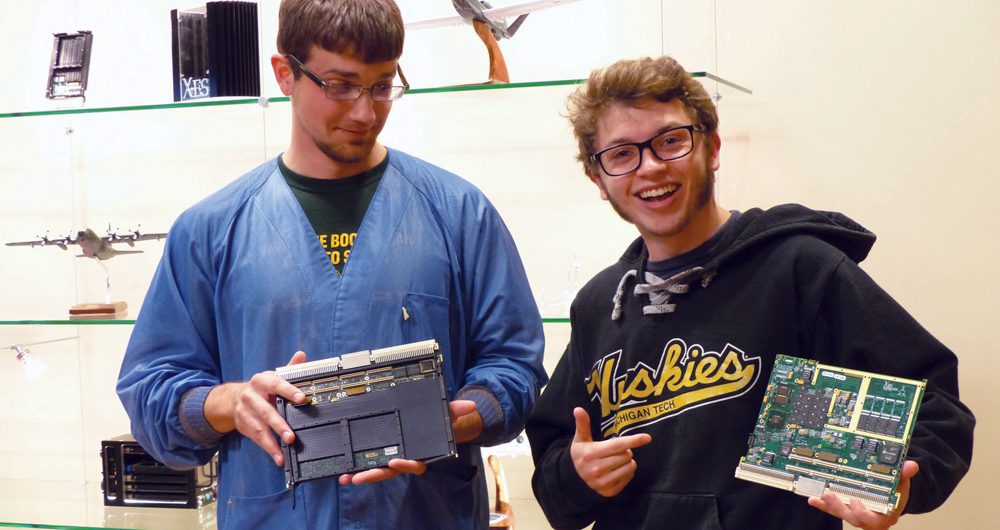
(825, 428)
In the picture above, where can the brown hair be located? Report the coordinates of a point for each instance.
(368, 30)
(630, 81)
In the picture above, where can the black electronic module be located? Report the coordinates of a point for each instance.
(366, 408)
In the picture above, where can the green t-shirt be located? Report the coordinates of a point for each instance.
(335, 207)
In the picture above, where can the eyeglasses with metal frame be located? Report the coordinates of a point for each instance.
(349, 92)
(671, 144)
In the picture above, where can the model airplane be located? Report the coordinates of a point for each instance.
(93, 245)
(490, 25)
(473, 10)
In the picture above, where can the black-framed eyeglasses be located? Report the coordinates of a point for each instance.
(670, 144)
(349, 92)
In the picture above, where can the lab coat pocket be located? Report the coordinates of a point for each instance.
(425, 316)
(269, 511)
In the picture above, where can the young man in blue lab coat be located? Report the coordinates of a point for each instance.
(338, 245)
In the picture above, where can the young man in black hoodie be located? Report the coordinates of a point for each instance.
(647, 414)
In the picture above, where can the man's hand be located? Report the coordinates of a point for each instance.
(466, 424)
(606, 466)
(249, 408)
(857, 515)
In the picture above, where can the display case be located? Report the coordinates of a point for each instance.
(146, 164)
(126, 160)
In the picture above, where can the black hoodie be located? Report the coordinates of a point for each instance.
(781, 281)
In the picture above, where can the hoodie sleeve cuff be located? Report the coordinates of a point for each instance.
(192, 416)
(489, 410)
(574, 486)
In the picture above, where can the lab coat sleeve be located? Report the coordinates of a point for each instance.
(173, 348)
(505, 341)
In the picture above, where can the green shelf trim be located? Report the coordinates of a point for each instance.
(190, 104)
(54, 526)
(466, 88)
(498, 86)
(282, 99)
(82, 322)
(554, 320)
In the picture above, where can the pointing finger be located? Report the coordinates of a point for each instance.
(621, 444)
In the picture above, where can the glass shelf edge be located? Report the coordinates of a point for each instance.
(494, 86)
(264, 101)
(54, 526)
(721, 80)
(158, 106)
(64, 322)
(67, 322)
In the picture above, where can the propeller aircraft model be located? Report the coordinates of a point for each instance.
(93, 245)
(490, 25)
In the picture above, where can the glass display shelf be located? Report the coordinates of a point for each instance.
(215, 102)
(54, 526)
(128, 322)
(67, 322)
(72, 504)
(264, 101)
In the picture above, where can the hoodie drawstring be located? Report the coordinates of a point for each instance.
(617, 299)
(659, 290)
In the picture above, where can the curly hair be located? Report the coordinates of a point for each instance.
(630, 81)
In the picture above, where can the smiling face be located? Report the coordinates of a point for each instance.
(332, 138)
(671, 203)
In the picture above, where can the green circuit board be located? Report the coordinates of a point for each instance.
(826, 428)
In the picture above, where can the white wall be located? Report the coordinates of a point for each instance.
(883, 110)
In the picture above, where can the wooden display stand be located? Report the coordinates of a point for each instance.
(98, 311)
(502, 514)
(498, 67)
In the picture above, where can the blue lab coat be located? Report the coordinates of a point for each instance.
(244, 283)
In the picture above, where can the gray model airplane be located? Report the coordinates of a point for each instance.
(93, 245)
(474, 10)
(490, 25)
(469, 10)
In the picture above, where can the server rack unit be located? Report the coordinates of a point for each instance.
(215, 50)
(70, 65)
(134, 478)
